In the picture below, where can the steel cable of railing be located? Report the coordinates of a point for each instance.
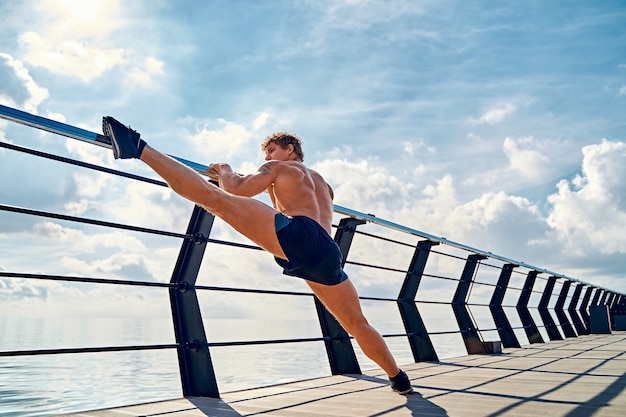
(76, 219)
(102, 349)
(195, 238)
(90, 280)
(70, 161)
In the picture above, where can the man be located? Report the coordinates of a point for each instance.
(296, 231)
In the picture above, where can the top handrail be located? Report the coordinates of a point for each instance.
(84, 135)
(370, 218)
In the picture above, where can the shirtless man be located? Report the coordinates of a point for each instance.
(296, 231)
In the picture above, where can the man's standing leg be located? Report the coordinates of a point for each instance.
(343, 302)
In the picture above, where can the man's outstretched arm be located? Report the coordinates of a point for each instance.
(244, 185)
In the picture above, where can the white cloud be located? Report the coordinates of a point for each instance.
(112, 266)
(494, 114)
(523, 160)
(70, 57)
(21, 288)
(106, 255)
(70, 18)
(35, 298)
(440, 197)
(589, 212)
(494, 221)
(497, 222)
(496, 215)
(18, 89)
(417, 147)
(84, 243)
(145, 205)
(227, 139)
(144, 75)
(90, 185)
(261, 120)
(363, 186)
(78, 40)
(55, 231)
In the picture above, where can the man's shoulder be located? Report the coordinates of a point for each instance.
(293, 169)
(276, 164)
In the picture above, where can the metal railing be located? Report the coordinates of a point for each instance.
(495, 299)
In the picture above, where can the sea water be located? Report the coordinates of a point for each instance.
(44, 385)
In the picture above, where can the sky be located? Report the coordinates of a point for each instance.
(500, 125)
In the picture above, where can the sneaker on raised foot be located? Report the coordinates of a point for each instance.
(401, 383)
(125, 141)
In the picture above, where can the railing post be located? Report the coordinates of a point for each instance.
(421, 346)
(471, 338)
(196, 368)
(605, 294)
(584, 308)
(546, 317)
(596, 297)
(341, 356)
(509, 340)
(611, 299)
(611, 303)
(578, 324)
(532, 332)
(568, 330)
(618, 308)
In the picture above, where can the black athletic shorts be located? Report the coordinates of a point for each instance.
(312, 253)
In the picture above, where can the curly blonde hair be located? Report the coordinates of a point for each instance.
(283, 139)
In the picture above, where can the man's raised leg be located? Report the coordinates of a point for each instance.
(248, 216)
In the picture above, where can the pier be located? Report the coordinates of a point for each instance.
(580, 377)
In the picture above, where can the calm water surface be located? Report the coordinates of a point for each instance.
(45, 385)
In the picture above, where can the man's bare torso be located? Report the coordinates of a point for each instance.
(300, 191)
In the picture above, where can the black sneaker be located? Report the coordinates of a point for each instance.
(401, 384)
(126, 142)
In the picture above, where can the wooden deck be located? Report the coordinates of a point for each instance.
(584, 376)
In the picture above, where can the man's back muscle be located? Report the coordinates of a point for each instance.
(299, 191)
